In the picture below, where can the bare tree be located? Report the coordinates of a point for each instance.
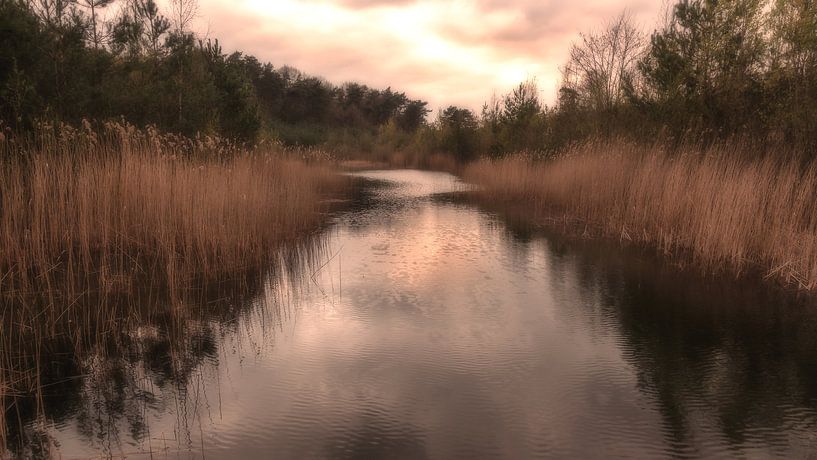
(603, 64)
(183, 12)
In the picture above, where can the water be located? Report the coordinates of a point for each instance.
(422, 327)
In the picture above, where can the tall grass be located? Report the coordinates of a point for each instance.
(727, 208)
(104, 208)
(102, 232)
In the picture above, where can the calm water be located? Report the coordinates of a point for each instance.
(420, 327)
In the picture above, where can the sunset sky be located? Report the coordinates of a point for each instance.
(446, 52)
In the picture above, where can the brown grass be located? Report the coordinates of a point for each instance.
(102, 233)
(105, 208)
(3, 429)
(715, 206)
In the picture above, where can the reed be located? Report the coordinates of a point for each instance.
(3, 398)
(727, 208)
(105, 207)
(105, 230)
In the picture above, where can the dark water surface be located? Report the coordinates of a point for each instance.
(425, 328)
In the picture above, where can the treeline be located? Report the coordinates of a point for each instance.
(62, 62)
(715, 70)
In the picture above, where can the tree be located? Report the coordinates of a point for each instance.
(94, 6)
(381, 106)
(603, 65)
(62, 61)
(52, 13)
(237, 104)
(270, 86)
(307, 100)
(413, 115)
(458, 128)
(705, 65)
(792, 82)
(182, 13)
(522, 103)
(521, 119)
(20, 37)
(140, 29)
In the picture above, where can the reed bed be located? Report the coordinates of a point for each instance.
(104, 230)
(725, 208)
(105, 208)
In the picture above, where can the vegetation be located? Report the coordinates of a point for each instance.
(187, 172)
(122, 201)
(714, 70)
(119, 356)
(117, 226)
(711, 206)
(62, 63)
(699, 141)
(105, 230)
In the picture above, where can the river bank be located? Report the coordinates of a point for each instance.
(106, 236)
(413, 319)
(713, 209)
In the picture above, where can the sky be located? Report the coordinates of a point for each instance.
(447, 52)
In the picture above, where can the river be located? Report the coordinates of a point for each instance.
(426, 327)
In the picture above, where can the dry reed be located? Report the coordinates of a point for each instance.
(105, 208)
(104, 230)
(724, 209)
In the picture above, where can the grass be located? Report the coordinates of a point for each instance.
(726, 208)
(103, 231)
(3, 430)
(105, 208)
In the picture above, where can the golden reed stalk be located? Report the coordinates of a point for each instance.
(726, 207)
(88, 206)
(104, 231)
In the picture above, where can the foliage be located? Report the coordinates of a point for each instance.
(715, 69)
(62, 62)
(711, 206)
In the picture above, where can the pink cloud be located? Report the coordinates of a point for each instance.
(446, 52)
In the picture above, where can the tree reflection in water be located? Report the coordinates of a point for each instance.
(114, 357)
(522, 344)
(709, 350)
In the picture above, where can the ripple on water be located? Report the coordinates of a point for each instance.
(437, 332)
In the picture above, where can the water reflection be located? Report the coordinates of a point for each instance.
(731, 367)
(127, 359)
(419, 326)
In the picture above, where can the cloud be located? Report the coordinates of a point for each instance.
(447, 52)
(360, 4)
